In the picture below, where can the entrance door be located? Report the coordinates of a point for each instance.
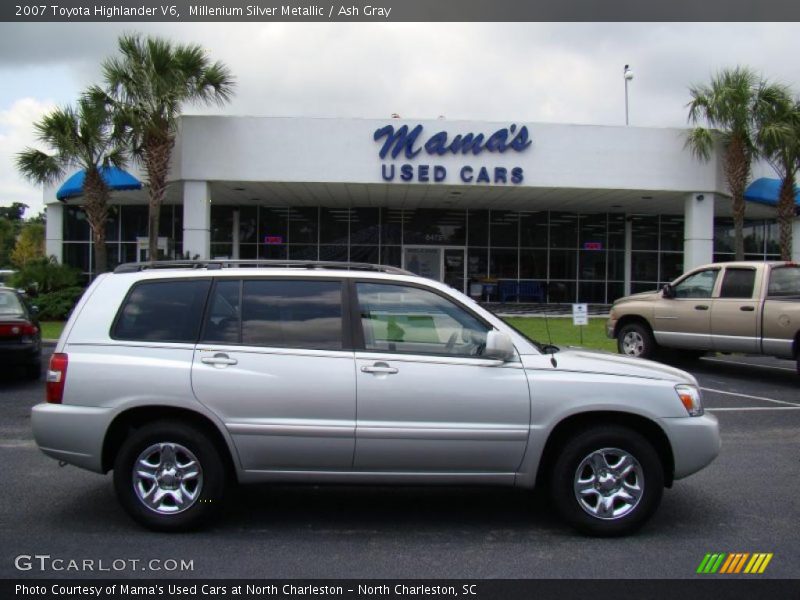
(438, 263)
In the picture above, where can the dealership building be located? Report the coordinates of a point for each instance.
(511, 211)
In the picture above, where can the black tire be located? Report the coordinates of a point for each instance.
(565, 477)
(208, 489)
(635, 339)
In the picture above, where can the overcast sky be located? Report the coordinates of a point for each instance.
(567, 73)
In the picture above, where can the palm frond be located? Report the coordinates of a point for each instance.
(700, 141)
(38, 167)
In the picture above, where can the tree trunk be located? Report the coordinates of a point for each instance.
(157, 153)
(786, 213)
(95, 205)
(737, 171)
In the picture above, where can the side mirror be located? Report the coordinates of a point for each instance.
(668, 291)
(34, 310)
(498, 346)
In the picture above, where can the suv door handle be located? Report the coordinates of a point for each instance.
(701, 307)
(747, 308)
(219, 360)
(380, 368)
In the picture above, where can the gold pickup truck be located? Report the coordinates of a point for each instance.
(749, 307)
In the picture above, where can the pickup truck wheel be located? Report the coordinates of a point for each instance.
(607, 481)
(636, 340)
(169, 476)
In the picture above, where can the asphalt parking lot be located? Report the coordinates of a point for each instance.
(746, 501)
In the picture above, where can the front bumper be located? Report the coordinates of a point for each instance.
(70, 433)
(695, 442)
(611, 325)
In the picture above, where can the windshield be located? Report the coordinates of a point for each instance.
(10, 304)
(784, 281)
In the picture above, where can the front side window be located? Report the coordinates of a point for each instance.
(698, 285)
(162, 311)
(738, 283)
(276, 314)
(405, 319)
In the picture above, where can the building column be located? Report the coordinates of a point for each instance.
(54, 231)
(236, 221)
(197, 219)
(796, 240)
(628, 253)
(698, 232)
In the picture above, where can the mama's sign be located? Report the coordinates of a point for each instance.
(409, 143)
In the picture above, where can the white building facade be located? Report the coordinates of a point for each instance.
(513, 211)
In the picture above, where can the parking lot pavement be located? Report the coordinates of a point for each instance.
(746, 501)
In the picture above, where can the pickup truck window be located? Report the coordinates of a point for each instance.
(784, 281)
(699, 285)
(738, 283)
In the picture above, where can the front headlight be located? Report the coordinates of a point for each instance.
(690, 398)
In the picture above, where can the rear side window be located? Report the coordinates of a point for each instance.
(162, 311)
(276, 314)
(784, 281)
(738, 283)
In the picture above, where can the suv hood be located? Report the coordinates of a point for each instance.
(607, 363)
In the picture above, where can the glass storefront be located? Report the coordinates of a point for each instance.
(499, 255)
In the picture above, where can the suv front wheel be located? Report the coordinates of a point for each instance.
(636, 340)
(607, 480)
(169, 476)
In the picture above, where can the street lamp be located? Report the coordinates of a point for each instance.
(627, 74)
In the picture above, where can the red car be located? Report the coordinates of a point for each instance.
(20, 337)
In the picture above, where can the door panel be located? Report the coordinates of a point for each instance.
(685, 321)
(272, 365)
(735, 314)
(430, 415)
(284, 409)
(427, 401)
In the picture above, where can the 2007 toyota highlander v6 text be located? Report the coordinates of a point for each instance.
(178, 376)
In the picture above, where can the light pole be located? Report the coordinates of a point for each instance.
(627, 74)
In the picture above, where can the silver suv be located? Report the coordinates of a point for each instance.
(182, 377)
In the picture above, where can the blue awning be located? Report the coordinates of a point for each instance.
(766, 191)
(115, 178)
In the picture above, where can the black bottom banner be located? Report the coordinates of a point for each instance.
(352, 589)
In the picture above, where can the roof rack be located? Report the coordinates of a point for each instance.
(212, 265)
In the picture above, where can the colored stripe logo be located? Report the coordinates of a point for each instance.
(734, 563)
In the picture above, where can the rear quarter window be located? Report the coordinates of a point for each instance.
(162, 311)
(784, 281)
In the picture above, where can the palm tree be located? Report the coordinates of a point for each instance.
(82, 138)
(779, 144)
(147, 86)
(730, 106)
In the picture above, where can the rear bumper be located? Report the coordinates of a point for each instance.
(695, 442)
(20, 354)
(73, 434)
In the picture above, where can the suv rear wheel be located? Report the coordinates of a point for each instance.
(608, 480)
(169, 476)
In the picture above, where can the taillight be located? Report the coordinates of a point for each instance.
(56, 377)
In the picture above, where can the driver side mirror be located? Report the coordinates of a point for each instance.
(668, 291)
(498, 346)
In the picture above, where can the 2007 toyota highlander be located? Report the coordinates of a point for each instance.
(179, 376)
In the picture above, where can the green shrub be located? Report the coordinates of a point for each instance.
(56, 306)
(44, 276)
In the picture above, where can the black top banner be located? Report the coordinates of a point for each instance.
(381, 11)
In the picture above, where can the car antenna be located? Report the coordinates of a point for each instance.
(549, 349)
